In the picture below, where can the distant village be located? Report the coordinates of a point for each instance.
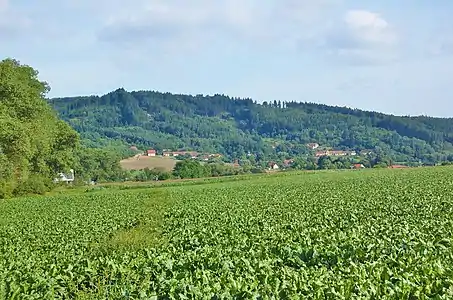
(179, 153)
(271, 165)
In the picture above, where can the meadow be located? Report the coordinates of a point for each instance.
(366, 234)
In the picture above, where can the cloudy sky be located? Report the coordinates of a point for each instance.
(386, 55)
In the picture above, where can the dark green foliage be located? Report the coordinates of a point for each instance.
(98, 165)
(221, 169)
(34, 185)
(191, 169)
(235, 127)
(149, 174)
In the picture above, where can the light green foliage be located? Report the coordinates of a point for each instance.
(50, 247)
(369, 234)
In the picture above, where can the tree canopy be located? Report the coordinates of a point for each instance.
(34, 142)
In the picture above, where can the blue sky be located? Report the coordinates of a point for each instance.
(389, 56)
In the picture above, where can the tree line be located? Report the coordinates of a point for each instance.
(236, 127)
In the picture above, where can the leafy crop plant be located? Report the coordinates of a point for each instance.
(368, 234)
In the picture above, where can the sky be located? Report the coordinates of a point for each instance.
(389, 56)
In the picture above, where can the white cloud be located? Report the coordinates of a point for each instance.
(161, 22)
(370, 28)
(361, 37)
(205, 20)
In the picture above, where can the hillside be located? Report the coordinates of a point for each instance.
(236, 127)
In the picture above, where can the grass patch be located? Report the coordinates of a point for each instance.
(146, 232)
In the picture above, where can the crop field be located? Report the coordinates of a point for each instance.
(368, 234)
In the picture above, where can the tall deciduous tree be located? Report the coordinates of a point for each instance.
(34, 143)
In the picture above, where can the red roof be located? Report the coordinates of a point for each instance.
(150, 151)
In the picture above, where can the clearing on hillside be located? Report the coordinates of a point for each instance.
(151, 162)
(366, 234)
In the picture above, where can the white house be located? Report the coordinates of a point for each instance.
(151, 152)
(68, 177)
(273, 166)
(313, 146)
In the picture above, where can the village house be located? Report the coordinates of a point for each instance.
(313, 146)
(357, 166)
(192, 154)
(366, 152)
(321, 153)
(151, 152)
(65, 177)
(236, 163)
(287, 163)
(338, 153)
(334, 153)
(273, 166)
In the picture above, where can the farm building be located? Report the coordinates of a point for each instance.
(313, 146)
(151, 152)
(65, 177)
(357, 166)
(273, 166)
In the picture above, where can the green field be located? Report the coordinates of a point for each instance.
(370, 234)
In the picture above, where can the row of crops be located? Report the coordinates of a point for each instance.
(372, 234)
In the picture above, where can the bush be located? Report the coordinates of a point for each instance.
(6, 189)
(33, 185)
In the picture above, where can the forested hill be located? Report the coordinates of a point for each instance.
(236, 127)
